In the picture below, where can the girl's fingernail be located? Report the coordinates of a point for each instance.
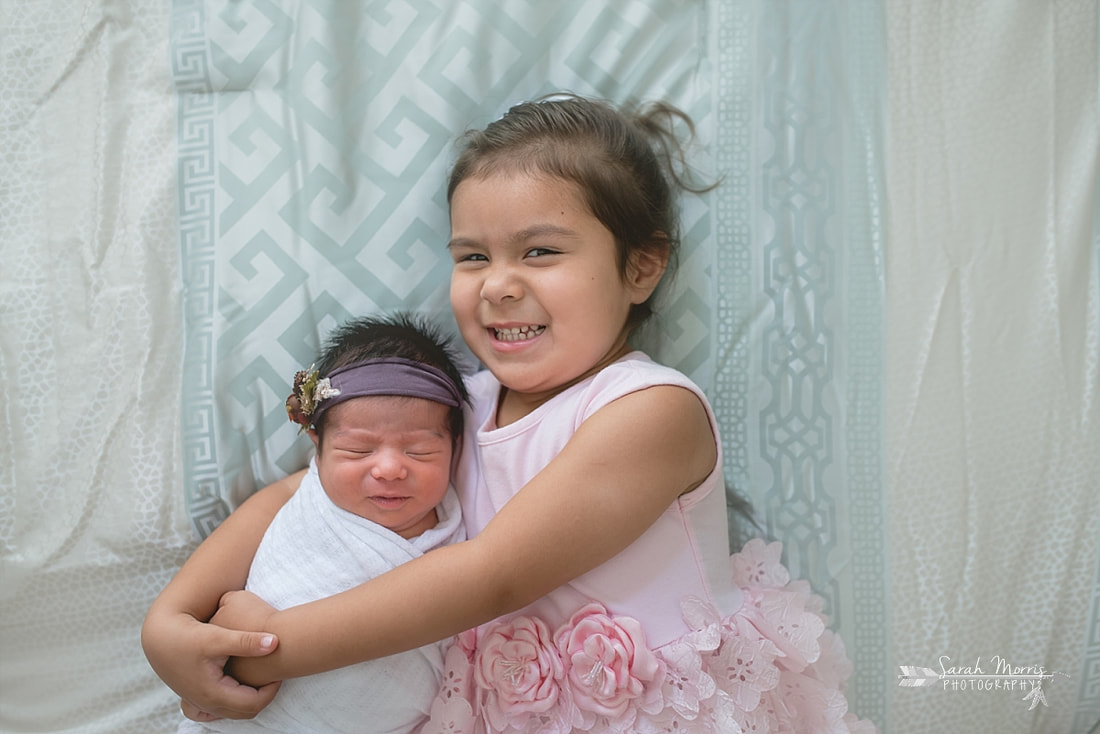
(267, 641)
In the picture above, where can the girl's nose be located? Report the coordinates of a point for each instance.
(500, 284)
(388, 466)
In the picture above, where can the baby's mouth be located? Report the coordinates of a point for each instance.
(387, 501)
(518, 333)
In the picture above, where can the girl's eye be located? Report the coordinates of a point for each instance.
(541, 252)
(470, 257)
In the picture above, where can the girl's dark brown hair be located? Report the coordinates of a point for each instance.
(625, 163)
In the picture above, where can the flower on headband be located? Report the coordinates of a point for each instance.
(308, 393)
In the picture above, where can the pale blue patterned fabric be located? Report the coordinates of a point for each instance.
(799, 248)
(314, 141)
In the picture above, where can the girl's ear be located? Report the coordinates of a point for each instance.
(646, 267)
(313, 437)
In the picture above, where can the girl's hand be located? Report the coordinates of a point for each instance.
(243, 610)
(190, 658)
(189, 655)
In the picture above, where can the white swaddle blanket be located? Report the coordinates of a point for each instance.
(314, 549)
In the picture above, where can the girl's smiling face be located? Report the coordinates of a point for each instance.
(536, 288)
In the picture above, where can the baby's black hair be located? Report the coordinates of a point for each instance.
(402, 335)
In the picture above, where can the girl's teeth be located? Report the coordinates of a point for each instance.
(518, 333)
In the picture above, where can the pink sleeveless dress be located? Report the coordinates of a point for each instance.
(671, 635)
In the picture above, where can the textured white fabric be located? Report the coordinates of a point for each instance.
(992, 417)
(92, 522)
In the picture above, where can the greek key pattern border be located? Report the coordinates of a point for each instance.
(196, 183)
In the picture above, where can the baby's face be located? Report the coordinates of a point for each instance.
(387, 459)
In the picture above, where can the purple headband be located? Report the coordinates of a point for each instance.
(312, 395)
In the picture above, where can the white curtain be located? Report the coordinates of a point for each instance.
(993, 426)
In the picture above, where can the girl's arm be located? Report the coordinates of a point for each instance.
(188, 655)
(618, 473)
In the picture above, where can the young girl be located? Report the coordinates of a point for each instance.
(590, 480)
(384, 410)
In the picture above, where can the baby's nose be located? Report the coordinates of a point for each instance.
(388, 466)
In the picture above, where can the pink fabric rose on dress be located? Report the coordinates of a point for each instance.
(611, 671)
(518, 670)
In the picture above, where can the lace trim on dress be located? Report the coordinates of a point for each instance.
(770, 667)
